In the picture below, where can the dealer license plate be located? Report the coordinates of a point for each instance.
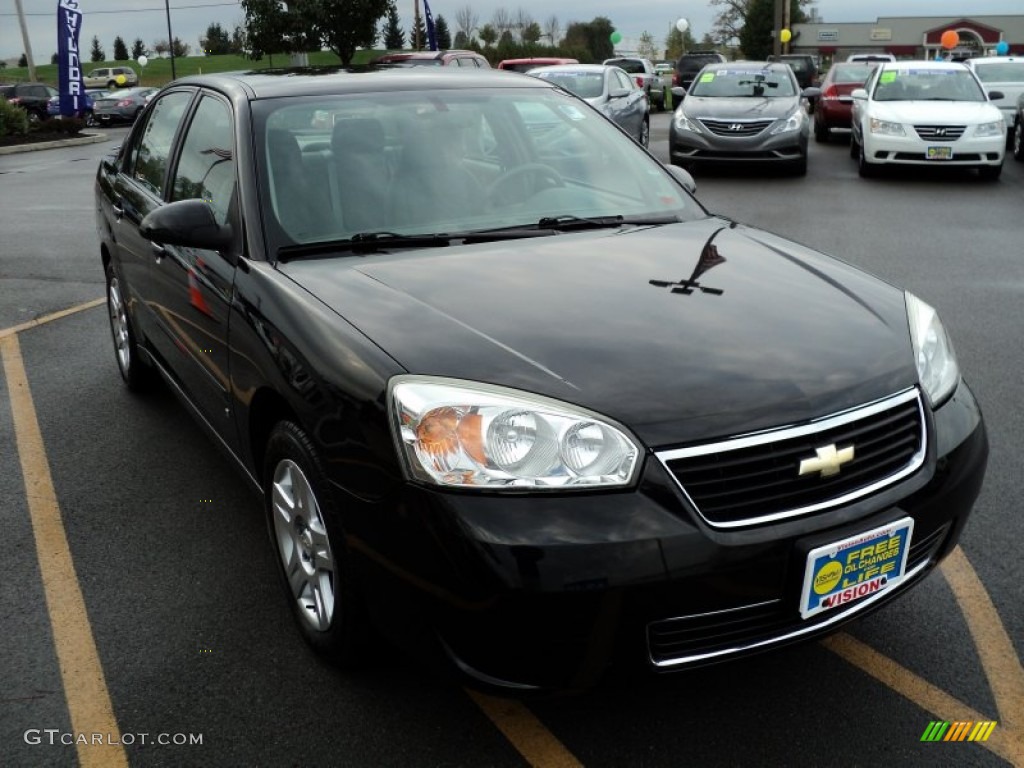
(940, 153)
(855, 568)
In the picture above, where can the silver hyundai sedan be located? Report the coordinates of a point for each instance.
(742, 112)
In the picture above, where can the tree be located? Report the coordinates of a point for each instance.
(161, 47)
(418, 36)
(732, 18)
(23, 60)
(394, 37)
(646, 48)
(120, 49)
(677, 43)
(442, 33)
(180, 49)
(53, 60)
(466, 21)
(502, 21)
(756, 35)
(488, 35)
(593, 36)
(266, 28)
(461, 41)
(216, 41)
(138, 48)
(552, 30)
(238, 41)
(339, 26)
(97, 53)
(521, 20)
(531, 33)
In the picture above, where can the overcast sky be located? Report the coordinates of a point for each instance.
(146, 19)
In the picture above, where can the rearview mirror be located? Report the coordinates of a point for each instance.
(187, 223)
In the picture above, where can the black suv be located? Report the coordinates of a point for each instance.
(33, 97)
(803, 66)
(691, 63)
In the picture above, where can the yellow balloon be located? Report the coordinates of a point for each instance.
(120, 79)
(785, 36)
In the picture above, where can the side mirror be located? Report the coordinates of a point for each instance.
(618, 93)
(678, 91)
(187, 223)
(859, 94)
(811, 92)
(996, 95)
(683, 177)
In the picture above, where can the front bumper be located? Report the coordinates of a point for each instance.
(689, 148)
(911, 150)
(525, 592)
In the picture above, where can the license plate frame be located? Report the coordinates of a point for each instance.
(939, 153)
(864, 564)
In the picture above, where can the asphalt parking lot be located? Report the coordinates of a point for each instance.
(137, 592)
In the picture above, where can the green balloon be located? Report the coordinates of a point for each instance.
(616, 38)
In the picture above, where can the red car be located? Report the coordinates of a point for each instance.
(451, 58)
(835, 103)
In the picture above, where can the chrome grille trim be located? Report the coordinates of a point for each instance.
(804, 430)
(940, 132)
(747, 127)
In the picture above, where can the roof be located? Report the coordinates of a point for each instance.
(268, 84)
(578, 68)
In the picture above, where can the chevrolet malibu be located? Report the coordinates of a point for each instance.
(510, 396)
(927, 113)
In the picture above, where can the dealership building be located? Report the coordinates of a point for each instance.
(908, 37)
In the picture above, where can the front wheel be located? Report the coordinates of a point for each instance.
(138, 375)
(645, 133)
(864, 168)
(990, 172)
(303, 523)
(1018, 142)
(821, 133)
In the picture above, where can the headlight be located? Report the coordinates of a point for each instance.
(793, 123)
(933, 351)
(990, 129)
(470, 435)
(683, 123)
(886, 128)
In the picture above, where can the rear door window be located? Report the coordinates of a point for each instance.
(150, 152)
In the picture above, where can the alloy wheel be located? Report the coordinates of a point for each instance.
(119, 325)
(303, 545)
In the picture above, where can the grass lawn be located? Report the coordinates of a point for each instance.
(158, 71)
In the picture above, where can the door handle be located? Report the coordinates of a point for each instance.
(158, 251)
(118, 210)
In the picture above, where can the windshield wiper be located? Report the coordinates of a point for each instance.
(568, 223)
(366, 242)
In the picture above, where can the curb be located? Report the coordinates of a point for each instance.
(86, 138)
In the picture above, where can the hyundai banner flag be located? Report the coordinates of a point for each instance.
(69, 65)
(431, 34)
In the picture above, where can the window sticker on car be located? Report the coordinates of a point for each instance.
(570, 111)
(887, 77)
(708, 77)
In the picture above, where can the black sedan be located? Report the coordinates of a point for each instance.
(509, 394)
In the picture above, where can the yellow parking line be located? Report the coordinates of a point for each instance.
(1004, 741)
(6, 332)
(85, 688)
(528, 735)
(995, 649)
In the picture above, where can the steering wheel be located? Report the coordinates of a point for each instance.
(546, 173)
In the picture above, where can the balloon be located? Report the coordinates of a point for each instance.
(785, 35)
(120, 79)
(682, 25)
(950, 39)
(616, 38)
(143, 61)
(1003, 48)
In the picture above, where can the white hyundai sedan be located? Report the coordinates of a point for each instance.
(927, 113)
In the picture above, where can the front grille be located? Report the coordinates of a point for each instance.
(740, 129)
(691, 639)
(940, 132)
(756, 478)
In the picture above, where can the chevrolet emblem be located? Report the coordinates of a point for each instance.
(828, 461)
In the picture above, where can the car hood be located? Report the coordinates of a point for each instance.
(747, 107)
(926, 112)
(766, 333)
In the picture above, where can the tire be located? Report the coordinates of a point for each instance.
(112, 85)
(645, 133)
(799, 168)
(854, 147)
(821, 133)
(137, 374)
(990, 172)
(305, 532)
(864, 168)
(1018, 142)
(90, 121)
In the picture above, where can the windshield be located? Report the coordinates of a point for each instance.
(449, 161)
(1001, 72)
(766, 83)
(633, 66)
(852, 74)
(927, 85)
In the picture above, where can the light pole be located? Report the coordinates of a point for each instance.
(170, 38)
(26, 41)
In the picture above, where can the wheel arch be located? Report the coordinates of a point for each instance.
(266, 409)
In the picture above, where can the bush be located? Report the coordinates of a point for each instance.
(68, 125)
(13, 119)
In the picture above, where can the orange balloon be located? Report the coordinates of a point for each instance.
(950, 39)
